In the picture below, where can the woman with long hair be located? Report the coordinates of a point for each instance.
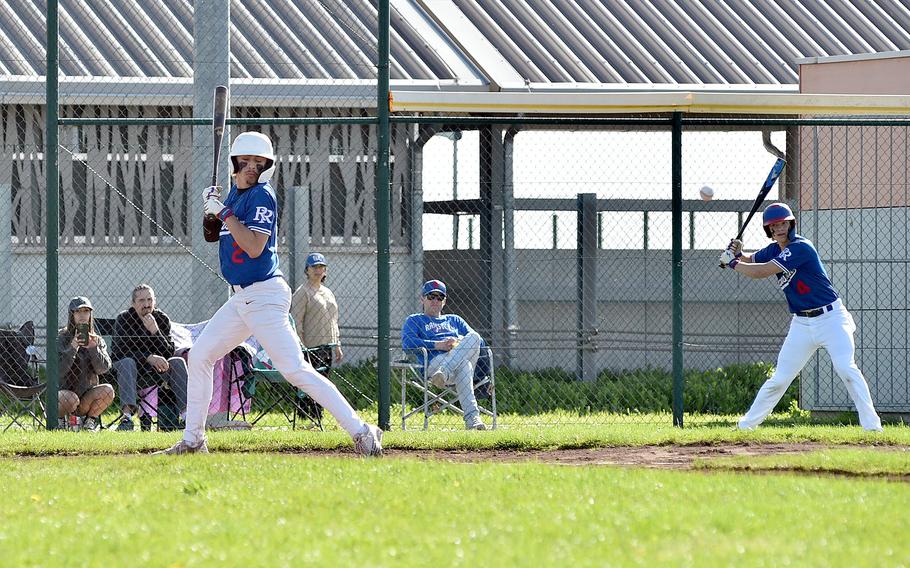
(83, 356)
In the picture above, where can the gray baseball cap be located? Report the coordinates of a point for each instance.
(80, 302)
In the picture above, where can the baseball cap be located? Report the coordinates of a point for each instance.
(433, 286)
(80, 302)
(315, 259)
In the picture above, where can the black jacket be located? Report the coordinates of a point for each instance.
(131, 339)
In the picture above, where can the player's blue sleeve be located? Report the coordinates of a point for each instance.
(795, 255)
(763, 255)
(462, 326)
(263, 213)
(410, 335)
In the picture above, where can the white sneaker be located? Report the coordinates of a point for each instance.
(368, 442)
(475, 424)
(438, 378)
(182, 447)
(91, 424)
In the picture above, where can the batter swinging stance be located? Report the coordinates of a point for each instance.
(819, 317)
(260, 301)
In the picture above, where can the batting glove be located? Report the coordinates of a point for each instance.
(210, 192)
(215, 207)
(736, 246)
(727, 257)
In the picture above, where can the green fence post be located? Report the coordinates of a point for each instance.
(383, 257)
(51, 167)
(555, 230)
(586, 284)
(691, 230)
(676, 204)
(645, 230)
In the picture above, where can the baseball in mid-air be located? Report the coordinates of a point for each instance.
(707, 193)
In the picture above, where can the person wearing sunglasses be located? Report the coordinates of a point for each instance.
(452, 348)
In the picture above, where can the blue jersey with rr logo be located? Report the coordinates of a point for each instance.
(802, 278)
(257, 208)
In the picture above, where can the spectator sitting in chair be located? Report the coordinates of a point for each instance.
(452, 347)
(83, 356)
(144, 351)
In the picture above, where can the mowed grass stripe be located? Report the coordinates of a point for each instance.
(881, 462)
(278, 509)
(524, 437)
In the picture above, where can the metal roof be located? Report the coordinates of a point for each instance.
(492, 44)
(314, 39)
(725, 42)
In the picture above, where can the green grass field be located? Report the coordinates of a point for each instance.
(552, 434)
(273, 509)
(893, 463)
(274, 498)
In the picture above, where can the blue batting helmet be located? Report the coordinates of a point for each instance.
(315, 259)
(775, 213)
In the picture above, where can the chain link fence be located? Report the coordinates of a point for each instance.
(555, 243)
(554, 237)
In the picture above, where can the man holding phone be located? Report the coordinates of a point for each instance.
(144, 352)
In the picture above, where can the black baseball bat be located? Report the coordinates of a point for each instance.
(210, 228)
(762, 193)
(219, 114)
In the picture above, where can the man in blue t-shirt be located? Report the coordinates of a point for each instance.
(819, 316)
(260, 300)
(452, 348)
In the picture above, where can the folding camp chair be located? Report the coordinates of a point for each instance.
(276, 394)
(23, 405)
(411, 368)
(21, 395)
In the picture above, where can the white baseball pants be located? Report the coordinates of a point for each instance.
(260, 310)
(833, 331)
(457, 367)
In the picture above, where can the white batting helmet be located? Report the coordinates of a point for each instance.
(254, 144)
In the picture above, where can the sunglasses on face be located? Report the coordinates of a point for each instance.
(437, 297)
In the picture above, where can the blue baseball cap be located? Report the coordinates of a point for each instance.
(315, 259)
(434, 286)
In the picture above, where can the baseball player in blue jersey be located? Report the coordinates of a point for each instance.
(452, 347)
(819, 316)
(259, 303)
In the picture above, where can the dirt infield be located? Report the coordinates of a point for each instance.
(660, 457)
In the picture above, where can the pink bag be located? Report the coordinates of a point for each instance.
(226, 397)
